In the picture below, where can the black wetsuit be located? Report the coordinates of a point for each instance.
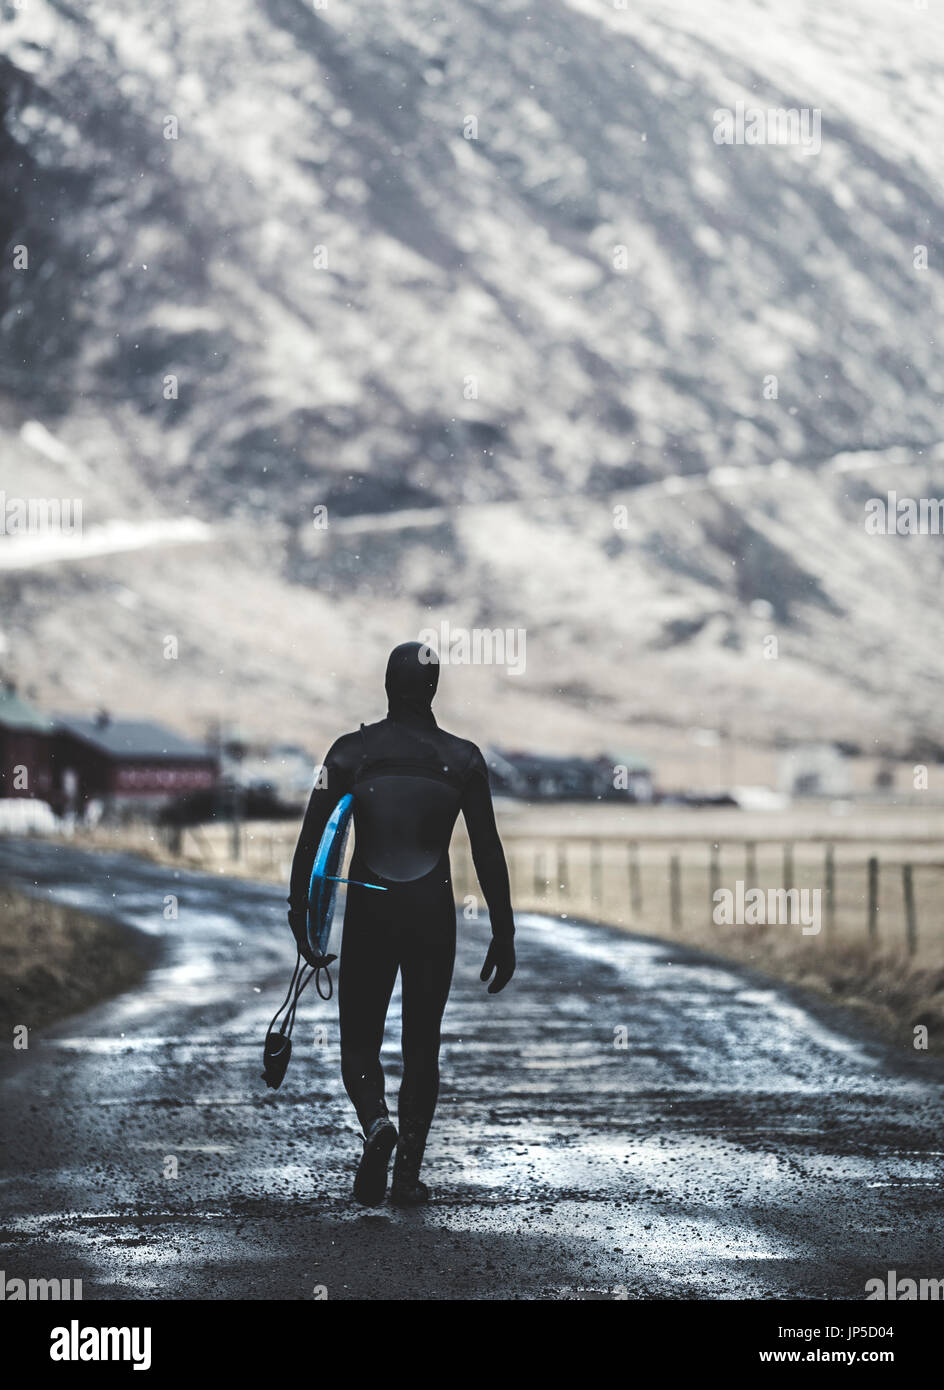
(409, 779)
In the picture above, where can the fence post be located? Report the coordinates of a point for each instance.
(788, 867)
(750, 864)
(911, 920)
(873, 899)
(675, 892)
(562, 868)
(714, 871)
(540, 879)
(829, 885)
(596, 873)
(236, 825)
(635, 883)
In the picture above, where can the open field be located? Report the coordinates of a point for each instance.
(877, 941)
(667, 887)
(859, 951)
(913, 822)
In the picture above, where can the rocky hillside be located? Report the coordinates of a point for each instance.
(471, 280)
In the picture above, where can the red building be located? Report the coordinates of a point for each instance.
(126, 763)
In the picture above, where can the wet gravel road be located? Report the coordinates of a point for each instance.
(735, 1146)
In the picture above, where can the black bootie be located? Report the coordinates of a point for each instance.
(370, 1183)
(406, 1190)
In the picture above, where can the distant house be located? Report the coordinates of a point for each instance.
(631, 776)
(286, 771)
(126, 763)
(505, 777)
(26, 749)
(813, 769)
(542, 776)
(549, 777)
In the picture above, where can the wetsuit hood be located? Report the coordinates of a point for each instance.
(410, 682)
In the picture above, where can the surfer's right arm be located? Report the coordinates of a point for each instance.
(332, 781)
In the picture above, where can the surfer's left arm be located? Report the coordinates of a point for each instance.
(492, 873)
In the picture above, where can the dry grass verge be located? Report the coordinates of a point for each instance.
(56, 960)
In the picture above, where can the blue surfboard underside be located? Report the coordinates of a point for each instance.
(322, 889)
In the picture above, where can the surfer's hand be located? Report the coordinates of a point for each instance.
(501, 959)
(298, 921)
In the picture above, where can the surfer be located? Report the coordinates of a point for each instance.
(409, 780)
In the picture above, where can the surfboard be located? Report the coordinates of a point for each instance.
(323, 888)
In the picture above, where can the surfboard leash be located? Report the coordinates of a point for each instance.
(277, 1050)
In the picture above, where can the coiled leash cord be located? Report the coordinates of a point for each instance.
(277, 1051)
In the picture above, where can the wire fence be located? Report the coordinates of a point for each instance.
(850, 892)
